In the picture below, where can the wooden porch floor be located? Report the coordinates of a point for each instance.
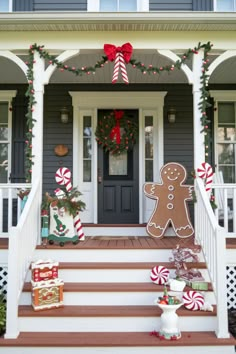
(129, 242)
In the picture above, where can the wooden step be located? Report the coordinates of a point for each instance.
(108, 311)
(111, 287)
(117, 339)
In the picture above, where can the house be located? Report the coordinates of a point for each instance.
(178, 88)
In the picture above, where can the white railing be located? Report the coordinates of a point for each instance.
(211, 237)
(10, 205)
(225, 196)
(23, 239)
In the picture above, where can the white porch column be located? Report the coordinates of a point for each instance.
(198, 137)
(37, 139)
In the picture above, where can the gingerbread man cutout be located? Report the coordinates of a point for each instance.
(171, 206)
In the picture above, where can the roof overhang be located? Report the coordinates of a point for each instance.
(125, 21)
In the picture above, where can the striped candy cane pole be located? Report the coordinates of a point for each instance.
(63, 177)
(120, 65)
(79, 228)
(206, 172)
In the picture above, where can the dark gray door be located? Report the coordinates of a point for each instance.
(118, 180)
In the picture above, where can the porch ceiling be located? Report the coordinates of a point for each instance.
(88, 21)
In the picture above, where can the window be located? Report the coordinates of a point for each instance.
(5, 5)
(225, 5)
(4, 142)
(148, 148)
(226, 141)
(118, 5)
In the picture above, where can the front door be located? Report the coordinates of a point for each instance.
(118, 182)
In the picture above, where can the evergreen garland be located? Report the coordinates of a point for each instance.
(203, 104)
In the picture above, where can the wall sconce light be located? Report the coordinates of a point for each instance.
(171, 114)
(64, 115)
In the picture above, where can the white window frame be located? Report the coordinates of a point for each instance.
(94, 5)
(215, 6)
(6, 96)
(221, 96)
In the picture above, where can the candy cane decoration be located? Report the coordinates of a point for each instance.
(193, 300)
(159, 275)
(120, 65)
(79, 228)
(63, 177)
(206, 172)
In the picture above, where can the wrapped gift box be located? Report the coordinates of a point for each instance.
(47, 294)
(44, 270)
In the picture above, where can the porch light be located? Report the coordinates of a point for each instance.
(171, 114)
(64, 115)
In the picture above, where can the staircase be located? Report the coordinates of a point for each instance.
(109, 303)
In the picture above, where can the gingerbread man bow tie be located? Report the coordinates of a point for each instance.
(121, 55)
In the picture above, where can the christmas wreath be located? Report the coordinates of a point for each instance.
(116, 133)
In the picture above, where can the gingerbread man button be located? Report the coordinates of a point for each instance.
(171, 206)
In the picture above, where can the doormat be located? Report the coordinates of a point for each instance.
(114, 238)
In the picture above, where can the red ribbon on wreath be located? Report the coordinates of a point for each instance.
(121, 55)
(115, 132)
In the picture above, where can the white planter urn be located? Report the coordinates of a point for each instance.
(169, 321)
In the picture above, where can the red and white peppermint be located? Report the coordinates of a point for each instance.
(78, 227)
(206, 172)
(193, 300)
(159, 275)
(63, 177)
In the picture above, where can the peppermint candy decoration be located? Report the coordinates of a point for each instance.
(193, 300)
(206, 172)
(63, 177)
(159, 275)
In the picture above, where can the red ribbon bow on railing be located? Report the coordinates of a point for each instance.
(121, 55)
(115, 132)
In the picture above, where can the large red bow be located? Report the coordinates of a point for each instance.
(115, 132)
(111, 50)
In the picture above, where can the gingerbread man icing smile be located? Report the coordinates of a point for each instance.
(171, 206)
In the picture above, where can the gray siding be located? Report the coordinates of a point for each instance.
(178, 137)
(22, 5)
(49, 5)
(181, 5)
(60, 5)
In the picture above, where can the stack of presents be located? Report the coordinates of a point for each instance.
(47, 288)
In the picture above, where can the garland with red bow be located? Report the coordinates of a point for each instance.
(120, 56)
(116, 133)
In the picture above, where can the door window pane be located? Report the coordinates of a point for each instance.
(87, 148)
(4, 140)
(148, 148)
(118, 164)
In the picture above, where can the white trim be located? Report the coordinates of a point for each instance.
(220, 59)
(9, 55)
(223, 96)
(151, 102)
(68, 54)
(6, 96)
(169, 54)
(10, 8)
